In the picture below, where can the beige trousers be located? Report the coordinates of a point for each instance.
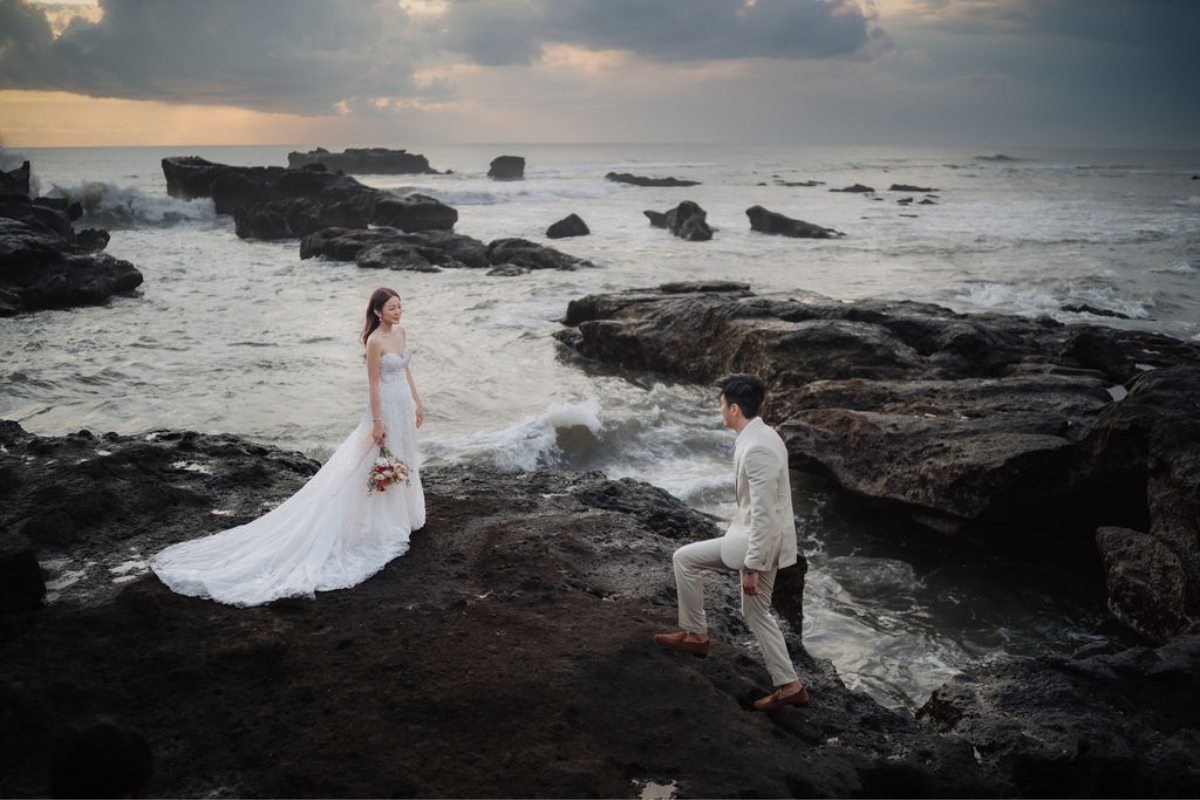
(690, 563)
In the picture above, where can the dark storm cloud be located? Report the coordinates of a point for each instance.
(512, 31)
(274, 55)
(1157, 24)
(303, 56)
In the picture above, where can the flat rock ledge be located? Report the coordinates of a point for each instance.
(44, 262)
(641, 180)
(364, 161)
(516, 630)
(1025, 435)
(278, 203)
(430, 251)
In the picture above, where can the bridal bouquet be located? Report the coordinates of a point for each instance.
(386, 470)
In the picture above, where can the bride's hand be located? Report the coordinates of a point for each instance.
(379, 433)
(420, 415)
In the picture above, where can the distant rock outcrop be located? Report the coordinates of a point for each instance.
(278, 203)
(364, 161)
(807, 184)
(507, 168)
(570, 225)
(765, 221)
(638, 180)
(687, 221)
(904, 187)
(45, 263)
(857, 188)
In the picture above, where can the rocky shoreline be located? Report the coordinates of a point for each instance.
(507, 654)
(44, 262)
(1026, 435)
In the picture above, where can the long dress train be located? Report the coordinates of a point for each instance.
(332, 534)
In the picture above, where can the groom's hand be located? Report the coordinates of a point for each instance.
(750, 583)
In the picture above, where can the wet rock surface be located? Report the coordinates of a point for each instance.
(430, 251)
(508, 654)
(641, 180)
(507, 168)
(44, 262)
(1004, 430)
(687, 221)
(570, 225)
(279, 203)
(1119, 724)
(765, 221)
(365, 161)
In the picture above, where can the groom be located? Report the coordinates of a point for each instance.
(760, 541)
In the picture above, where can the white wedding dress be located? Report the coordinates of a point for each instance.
(332, 534)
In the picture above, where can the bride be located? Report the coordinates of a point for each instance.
(334, 533)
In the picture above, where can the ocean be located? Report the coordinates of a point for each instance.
(243, 337)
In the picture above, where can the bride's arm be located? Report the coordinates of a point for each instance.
(416, 397)
(373, 356)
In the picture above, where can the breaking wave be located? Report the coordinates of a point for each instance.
(1031, 301)
(110, 206)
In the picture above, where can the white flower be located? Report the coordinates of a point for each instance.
(381, 462)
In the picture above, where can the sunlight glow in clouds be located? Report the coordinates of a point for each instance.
(393, 71)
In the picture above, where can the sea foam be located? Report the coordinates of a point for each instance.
(110, 206)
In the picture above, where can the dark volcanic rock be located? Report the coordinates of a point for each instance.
(570, 225)
(1084, 308)
(998, 428)
(394, 256)
(518, 628)
(687, 221)
(904, 187)
(431, 249)
(507, 168)
(1147, 583)
(278, 203)
(638, 180)
(765, 221)
(22, 585)
(809, 184)
(44, 264)
(299, 216)
(857, 188)
(442, 248)
(532, 255)
(365, 161)
(15, 181)
(1106, 725)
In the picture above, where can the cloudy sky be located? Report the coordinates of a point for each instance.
(372, 72)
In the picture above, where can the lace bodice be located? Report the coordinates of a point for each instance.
(392, 366)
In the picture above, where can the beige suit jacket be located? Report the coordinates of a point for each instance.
(762, 535)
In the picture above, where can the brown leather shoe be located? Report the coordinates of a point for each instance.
(679, 643)
(774, 701)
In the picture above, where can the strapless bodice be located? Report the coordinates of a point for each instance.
(392, 366)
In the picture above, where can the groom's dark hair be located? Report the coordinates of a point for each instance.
(744, 391)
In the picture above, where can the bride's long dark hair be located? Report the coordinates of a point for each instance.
(379, 299)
